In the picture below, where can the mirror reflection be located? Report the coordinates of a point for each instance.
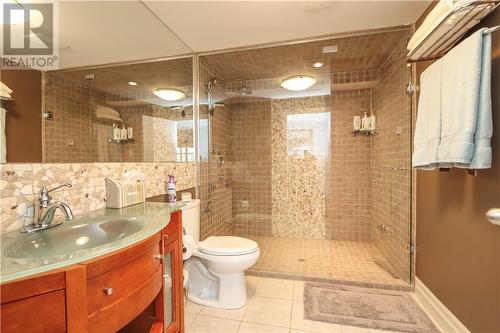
(125, 113)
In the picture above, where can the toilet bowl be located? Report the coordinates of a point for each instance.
(216, 266)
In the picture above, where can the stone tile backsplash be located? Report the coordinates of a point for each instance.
(19, 184)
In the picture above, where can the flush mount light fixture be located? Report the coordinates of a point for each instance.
(169, 94)
(132, 83)
(318, 64)
(298, 82)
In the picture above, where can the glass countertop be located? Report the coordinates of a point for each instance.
(19, 256)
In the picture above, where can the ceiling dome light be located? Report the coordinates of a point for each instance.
(169, 94)
(298, 82)
(318, 64)
(132, 83)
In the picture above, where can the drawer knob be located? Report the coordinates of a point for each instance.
(158, 256)
(108, 291)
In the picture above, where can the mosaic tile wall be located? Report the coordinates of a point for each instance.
(390, 164)
(299, 167)
(349, 199)
(19, 184)
(252, 166)
(215, 191)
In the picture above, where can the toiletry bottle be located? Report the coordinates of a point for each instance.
(130, 133)
(373, 122)
(171, 192)
(123, 133)
(356, 123)
(364, 122)
(116, 132)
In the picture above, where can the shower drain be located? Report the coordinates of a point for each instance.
(301, 259)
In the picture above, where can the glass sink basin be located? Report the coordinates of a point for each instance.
(73, 236)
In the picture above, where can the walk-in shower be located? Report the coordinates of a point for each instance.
(322, 203)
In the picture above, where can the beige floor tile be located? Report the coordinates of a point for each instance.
(252, 282)
(189, 320)
(258, 328)
(206, 324)
(193, 308)
(276, 288)
(298, 331)
(298, 291)
(222, 313)
(268, 311)
(299, 323)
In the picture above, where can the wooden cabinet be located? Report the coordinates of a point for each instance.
(105, 294)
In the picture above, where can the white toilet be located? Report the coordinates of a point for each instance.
(216, 266)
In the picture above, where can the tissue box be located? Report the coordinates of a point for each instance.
(124, 193)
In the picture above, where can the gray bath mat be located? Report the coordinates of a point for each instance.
(364, 307)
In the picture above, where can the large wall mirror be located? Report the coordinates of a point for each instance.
(125, 113)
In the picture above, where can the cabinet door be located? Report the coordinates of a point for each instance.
(172, 287)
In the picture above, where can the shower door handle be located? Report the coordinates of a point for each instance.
(493, 215)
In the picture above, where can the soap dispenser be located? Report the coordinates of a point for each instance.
(364, 122)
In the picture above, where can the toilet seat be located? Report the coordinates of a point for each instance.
(227, 246)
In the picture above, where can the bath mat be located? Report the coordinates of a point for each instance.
(364, 307)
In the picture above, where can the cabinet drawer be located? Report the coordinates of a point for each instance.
(117, 315)
(108, 288)
(42, 313)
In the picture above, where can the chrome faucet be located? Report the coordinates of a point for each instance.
(46, 210)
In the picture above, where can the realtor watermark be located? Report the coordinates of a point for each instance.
(29, 36)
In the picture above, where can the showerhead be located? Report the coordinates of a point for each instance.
(244, 90)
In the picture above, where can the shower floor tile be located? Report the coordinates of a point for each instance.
(355, 263)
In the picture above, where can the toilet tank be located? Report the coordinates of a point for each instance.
(191, 219)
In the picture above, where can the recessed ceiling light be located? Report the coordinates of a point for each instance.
(318, 64)
(132, 83)
(298, 82)
(169, 94)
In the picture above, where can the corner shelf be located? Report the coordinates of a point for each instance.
(366, 132)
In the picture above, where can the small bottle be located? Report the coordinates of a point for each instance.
(373, 122)
(130, 133)
(364, 122)
(171, 192)
(123, 133)
(116, 133)
(356, 123)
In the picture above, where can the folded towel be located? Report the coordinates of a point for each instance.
(438, 13)
(106, 112)
(461, 91)
(3, 140)
(428, 126)
(4, 93)
(4, 87)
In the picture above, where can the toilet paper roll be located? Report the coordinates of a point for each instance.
(188, 245)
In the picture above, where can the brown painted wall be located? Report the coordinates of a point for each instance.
(458, 251)
(24, 115)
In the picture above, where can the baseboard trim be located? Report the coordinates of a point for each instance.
(437, 311)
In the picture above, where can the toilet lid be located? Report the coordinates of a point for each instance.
(227, 245)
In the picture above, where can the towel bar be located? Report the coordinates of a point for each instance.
(492, 29)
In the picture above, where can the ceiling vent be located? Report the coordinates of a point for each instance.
(330, 49)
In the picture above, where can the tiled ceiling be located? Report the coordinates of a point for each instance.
(354, 54)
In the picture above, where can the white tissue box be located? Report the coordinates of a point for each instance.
(124, 193)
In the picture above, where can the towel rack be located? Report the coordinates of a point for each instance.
(451, 28)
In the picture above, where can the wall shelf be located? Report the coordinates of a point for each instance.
(366, 132)
(450, 28)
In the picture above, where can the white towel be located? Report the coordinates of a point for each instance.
(3, 141)
(428, 127)
(3, 87)
(465, 100)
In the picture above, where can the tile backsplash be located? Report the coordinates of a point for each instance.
(19, 184)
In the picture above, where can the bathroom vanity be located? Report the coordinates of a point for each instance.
(124, 273)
